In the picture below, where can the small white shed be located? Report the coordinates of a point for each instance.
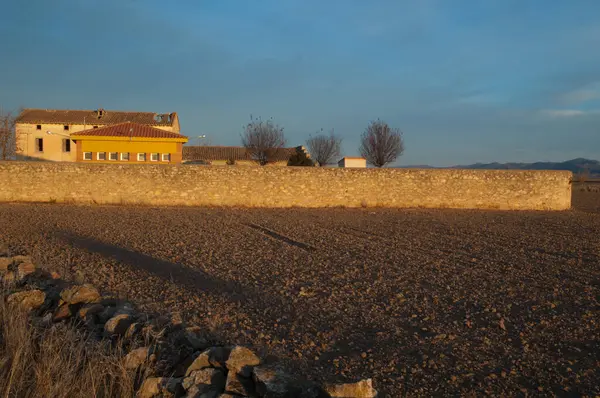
(353, 162)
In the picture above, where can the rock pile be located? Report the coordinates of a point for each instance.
(172, 360)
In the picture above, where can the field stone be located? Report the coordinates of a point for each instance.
(137, 357)
(62, 313)
(24, 269)
(89, 310)
(213, 357)
(241, 361)
(237, 384)
(361, 389)
(22, 259)
(159, 387)
(5, 262)
(9, 277)
(118, 324)
(272, 381)
(83, 294)
(199, 392)
(28, 300)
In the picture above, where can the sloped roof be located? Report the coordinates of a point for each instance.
(210, 153)
(129, 130)
(68, 116)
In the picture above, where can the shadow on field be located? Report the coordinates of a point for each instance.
(357, 337)
(179, 274)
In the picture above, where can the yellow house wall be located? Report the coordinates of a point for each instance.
(27, 134)
(133, 147)
(128, 146)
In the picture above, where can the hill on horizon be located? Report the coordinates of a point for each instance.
(578, 165)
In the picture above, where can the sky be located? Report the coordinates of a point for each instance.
(465, 81)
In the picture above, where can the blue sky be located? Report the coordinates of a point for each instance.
(466, 81)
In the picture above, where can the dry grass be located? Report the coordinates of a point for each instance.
(56, 361)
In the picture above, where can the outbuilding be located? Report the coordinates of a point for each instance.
(353, 162)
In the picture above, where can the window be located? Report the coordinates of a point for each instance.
(95, 127)
(141, 157)
(154, 157)
(113, 156)
(66, 128)
(101, 156)
(39, 145)
(87, 156)
(166, 157)
(66, 145)
(125, 156)
(38, 127)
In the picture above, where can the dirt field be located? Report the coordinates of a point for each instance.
(424, 301)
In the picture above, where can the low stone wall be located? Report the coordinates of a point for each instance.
(194, 185)
(178, 362)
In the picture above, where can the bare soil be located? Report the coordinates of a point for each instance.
(427, 302)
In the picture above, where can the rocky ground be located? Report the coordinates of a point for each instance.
(423, 301)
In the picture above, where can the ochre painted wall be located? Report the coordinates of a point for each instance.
(53, 149)
(283, 186)
(133, 147)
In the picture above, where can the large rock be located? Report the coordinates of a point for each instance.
(83, 294)
(241, 361)
(118, 324)
(199, 392)
(23, 269)
(204, 381)
(89, 310)
(5, 262)
(137, 357)
(239, 385)
(29, 300)
(271, 381)
(215, 357)
(62, 313)
(361, 389)
(160, 387)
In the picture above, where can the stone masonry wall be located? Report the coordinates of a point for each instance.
(194, 185)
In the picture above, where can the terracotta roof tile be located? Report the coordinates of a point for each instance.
(210, 153)
(128, 130)
(56, 116)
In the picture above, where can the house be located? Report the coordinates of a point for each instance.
(237, 155)
(45, 134)
(128, 143)
(353, 162)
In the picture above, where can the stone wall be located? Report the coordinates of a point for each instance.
(283, 187)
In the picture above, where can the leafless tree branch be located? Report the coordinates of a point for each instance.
(8, 138)
(263, 140)
(381, 144)
(324, 148)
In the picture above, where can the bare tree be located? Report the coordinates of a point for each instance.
(324, 148)
(263, 140)
(381, 144)
(8, 138)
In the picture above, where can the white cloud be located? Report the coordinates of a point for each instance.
(563, 112)
(588, 93)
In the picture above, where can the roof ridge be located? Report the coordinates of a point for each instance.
(92, 110)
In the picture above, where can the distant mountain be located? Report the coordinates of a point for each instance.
(574, 165)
